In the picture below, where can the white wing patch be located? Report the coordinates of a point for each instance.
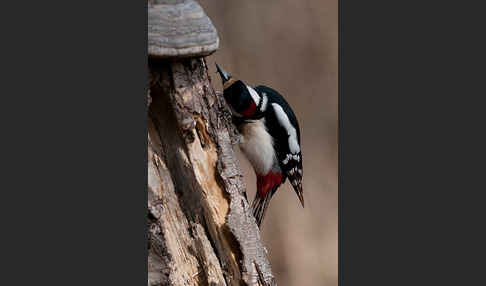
(283, 119)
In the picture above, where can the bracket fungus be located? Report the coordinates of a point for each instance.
(178, 29)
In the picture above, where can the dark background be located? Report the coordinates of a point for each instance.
(291, 46)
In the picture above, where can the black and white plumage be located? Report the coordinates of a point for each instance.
(270, 138)
(282, 124)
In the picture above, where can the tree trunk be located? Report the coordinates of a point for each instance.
(200, 227)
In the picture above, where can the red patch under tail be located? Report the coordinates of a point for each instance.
(266, 186)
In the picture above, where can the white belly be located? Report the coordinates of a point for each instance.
(257, 145)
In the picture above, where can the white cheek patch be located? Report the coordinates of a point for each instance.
(283, 119)
(254, 95)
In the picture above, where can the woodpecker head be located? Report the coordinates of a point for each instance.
(242, 99)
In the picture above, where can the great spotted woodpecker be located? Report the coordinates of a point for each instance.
(270, 138)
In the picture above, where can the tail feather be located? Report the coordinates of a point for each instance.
(260, 206)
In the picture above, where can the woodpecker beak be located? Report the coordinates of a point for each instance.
(224, 75)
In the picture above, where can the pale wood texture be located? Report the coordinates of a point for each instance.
(179, 28)
(201, 229)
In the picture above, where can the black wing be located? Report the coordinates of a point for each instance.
(290, 162)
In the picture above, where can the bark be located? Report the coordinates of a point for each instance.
(200, 227)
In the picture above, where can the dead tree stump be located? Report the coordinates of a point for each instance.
(200, 227)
